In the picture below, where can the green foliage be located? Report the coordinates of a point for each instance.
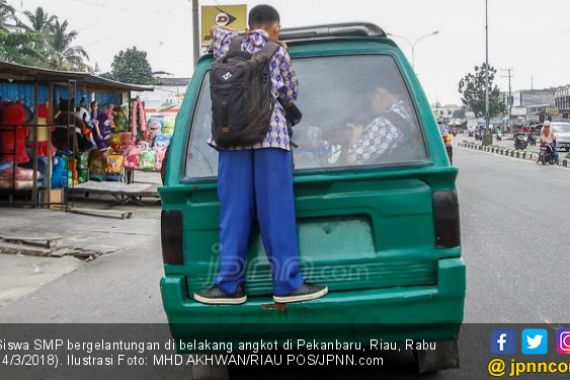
(39, 21)
(8, 19)
(131, 66)
(472, 87)
(64, 55)
(41, 41)
(22, 47)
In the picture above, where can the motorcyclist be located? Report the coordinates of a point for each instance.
(547, 137)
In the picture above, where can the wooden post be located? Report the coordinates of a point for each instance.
(35, 138)
(49, 146)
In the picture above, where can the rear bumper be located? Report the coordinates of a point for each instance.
(432, 312)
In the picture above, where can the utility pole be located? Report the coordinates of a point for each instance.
(487, 68)
(196, 30)
(509, 99)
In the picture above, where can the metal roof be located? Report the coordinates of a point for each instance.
(13, 72)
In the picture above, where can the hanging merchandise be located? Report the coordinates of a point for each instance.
(132, 157)
(72, 175)
(120, 119)
(138, 118)
(13, 133)
(160, 153)
(97, 165)
(147, 160)
(168, 126)
(43, 133)
(115, 166)
(82, 166)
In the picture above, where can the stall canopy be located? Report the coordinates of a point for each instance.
(12, 72)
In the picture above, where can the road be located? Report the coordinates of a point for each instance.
(515, 231)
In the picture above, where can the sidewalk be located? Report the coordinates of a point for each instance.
(92, 236)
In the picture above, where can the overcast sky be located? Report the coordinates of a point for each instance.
(529, 36)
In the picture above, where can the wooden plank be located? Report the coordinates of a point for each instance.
(37, 240)
(23, 249)
(102, 213)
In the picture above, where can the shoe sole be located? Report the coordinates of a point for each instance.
(300, 298)
(220, 301)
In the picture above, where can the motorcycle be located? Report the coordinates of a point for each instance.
(531, 139)
(546, 155)
(521, 141)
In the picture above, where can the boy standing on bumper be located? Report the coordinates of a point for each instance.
(260, 178)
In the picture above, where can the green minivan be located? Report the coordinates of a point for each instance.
(377, 217)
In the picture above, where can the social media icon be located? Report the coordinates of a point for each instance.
(534, 341)
(563, 341)
(504, 342)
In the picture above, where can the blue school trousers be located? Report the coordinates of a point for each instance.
(257, 181)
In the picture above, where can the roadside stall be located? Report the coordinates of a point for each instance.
(61, 132)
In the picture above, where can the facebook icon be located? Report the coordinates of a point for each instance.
(503, 342)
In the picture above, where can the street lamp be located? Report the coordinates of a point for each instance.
(413, 44)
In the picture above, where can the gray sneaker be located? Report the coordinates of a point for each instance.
(216, 296)
(306, 292)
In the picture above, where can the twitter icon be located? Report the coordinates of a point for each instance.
(534, 341)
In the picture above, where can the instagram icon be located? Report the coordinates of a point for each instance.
(563, 343)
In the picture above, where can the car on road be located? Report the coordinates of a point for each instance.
(377, 221)
(562, 132)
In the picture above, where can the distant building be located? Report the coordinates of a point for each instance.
(562, 101)
(531, 105)
(166, 98)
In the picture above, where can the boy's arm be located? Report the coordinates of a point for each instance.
(221, 39)
(287, 83)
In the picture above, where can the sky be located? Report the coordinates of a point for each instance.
(531, 37)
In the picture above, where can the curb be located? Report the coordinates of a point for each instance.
(523, 155)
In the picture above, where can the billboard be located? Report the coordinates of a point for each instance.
(233, 16)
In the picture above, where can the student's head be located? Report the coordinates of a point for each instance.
(267, 18)
(93, 105)
(381, 100)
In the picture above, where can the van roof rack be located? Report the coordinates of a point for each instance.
(351, 29)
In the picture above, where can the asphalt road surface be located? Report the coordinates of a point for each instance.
(515, 238)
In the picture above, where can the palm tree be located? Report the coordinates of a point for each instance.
(64, 55)
(8, 19)
(40, 21)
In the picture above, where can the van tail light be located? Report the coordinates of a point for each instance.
(447, 139)
(446, 219)
(172, 234)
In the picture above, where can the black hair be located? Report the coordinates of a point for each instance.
(262, 15)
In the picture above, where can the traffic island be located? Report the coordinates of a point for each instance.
(520, 154)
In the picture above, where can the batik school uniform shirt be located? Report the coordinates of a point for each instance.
(283, 78)
(384, 133)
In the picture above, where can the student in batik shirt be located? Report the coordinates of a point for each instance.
(386, 132)
(259, 178)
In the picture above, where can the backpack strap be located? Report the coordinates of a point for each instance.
(269, 49)
(235, 44)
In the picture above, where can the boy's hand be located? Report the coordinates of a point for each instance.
(283, 44)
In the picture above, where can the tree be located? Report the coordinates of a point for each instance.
(131, 66)
(8, 18)
(472, 87)
(64, 55)
(22, 48)
(39, 21)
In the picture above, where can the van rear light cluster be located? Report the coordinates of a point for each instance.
(172, 234)
(446, 219)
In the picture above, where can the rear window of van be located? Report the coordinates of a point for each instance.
(357, 112)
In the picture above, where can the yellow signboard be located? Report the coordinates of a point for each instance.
(233, 16)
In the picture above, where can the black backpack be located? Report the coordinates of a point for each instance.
(240, 88)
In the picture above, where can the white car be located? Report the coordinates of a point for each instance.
(562, 132)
